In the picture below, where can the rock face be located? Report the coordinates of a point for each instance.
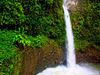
(90, 55)
(71, 4)
(36, 60)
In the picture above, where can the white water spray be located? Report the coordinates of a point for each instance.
(72, 68)
(71, 61)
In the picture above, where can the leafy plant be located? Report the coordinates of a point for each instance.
(86, 24)
(7, 52)
(39, 41)
(11, 12)
(44, 17)
(25, 40)
(50, 2)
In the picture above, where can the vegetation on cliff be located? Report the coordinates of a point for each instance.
(27, 23)
(86, 24)
(34, 22)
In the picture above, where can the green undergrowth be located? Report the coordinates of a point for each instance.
(7, 52)
(9, 55)
(86, 24)
(34, 42)
(80, 45)
(17, 64)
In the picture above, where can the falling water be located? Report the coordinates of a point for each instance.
(71, 61)
(72, 68)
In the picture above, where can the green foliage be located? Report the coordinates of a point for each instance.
(86, 24)
(6, 45)
(11, 12)
(17, 64)
(32, 17)
(25, 40)
(36, 17)
(80, 45)
(44, 17)
(7, 52)
(50, 2)
(38, 41)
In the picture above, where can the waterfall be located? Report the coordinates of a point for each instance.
(71, 61)
(72, 68)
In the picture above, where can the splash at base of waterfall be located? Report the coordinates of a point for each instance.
(77, 70)
(72, 68)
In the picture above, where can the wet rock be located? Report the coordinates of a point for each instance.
(36, 60)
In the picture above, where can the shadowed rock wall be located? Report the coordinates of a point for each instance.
(36, 60)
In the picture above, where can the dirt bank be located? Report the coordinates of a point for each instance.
(36, 60)
(90, 55)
